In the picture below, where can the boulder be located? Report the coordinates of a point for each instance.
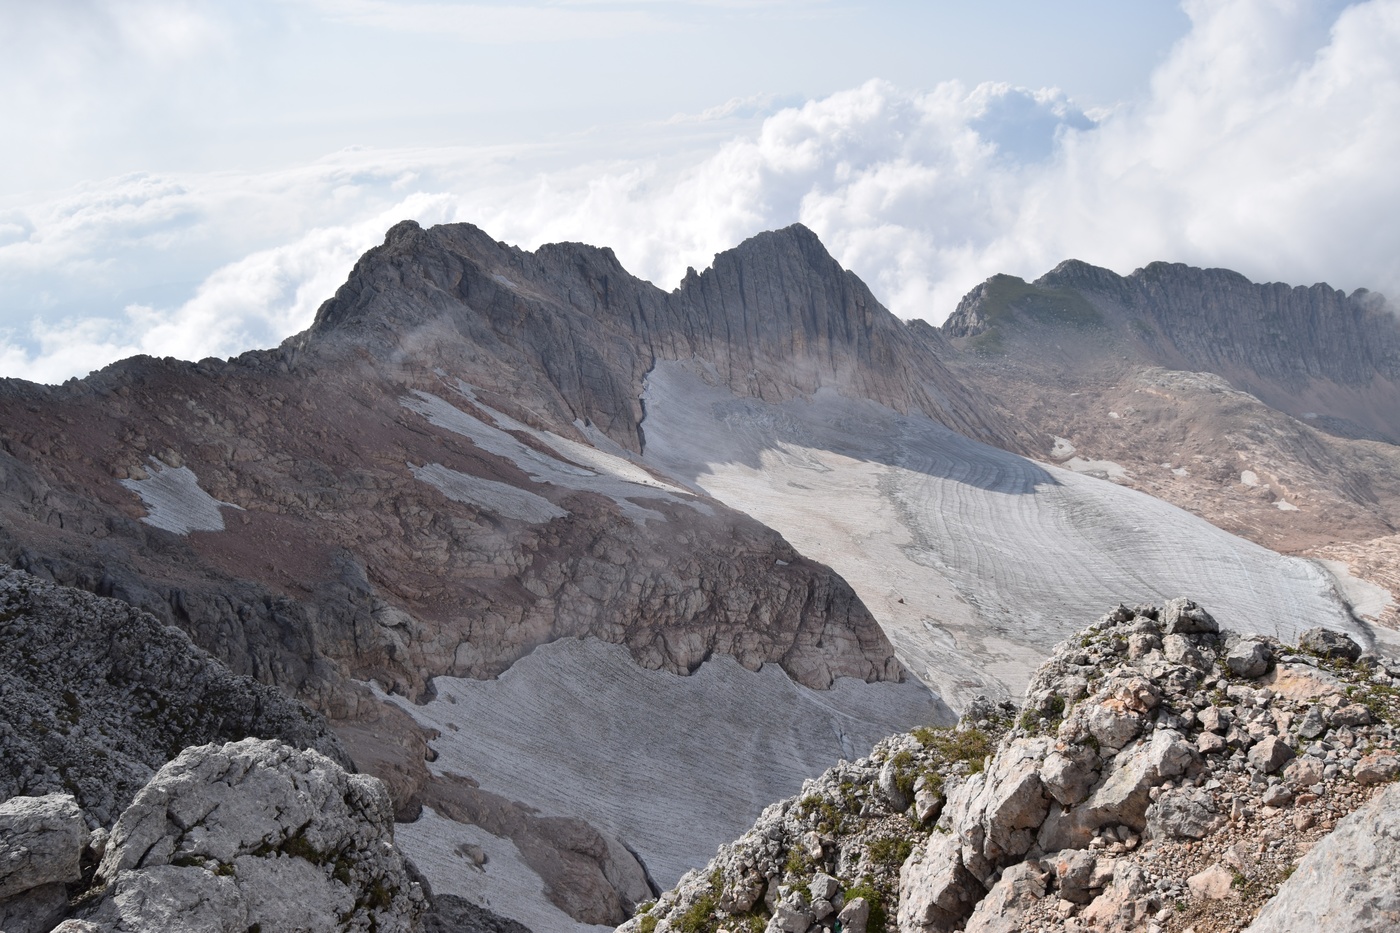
(1269, 754)
(855, 915)
(936, 893)
(256, 834)
(1123, 796)
(996, 813)
(1074, 874)
(1179, 650)
(1212, 884)
(1183, 617)
(1248, 658)
(1184, 813)
(1376, 768)
(1001, 911)
(41, 842)
(1068, 773)
(1326, 643)
(1349, 882)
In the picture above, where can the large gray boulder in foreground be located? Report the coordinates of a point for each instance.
(41, 848)
(1349, 883)
(256, 835)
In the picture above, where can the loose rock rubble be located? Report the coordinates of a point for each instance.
(1162, 775)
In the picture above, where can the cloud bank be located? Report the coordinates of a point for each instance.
(1266, 144)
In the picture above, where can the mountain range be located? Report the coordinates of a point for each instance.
(589, 572)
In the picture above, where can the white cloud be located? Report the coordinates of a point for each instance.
(1267, 144)
(490, 23)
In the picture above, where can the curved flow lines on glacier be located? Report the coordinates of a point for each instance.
(974, 560)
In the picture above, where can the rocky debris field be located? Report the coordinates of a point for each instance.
(97, 695)
(1162, 775)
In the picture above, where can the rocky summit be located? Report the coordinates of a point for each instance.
(1162, 774)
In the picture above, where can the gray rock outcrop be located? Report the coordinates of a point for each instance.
(1194, 822)
(256, 835)
(41, 848)
(1350, 882)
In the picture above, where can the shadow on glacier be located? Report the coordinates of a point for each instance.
(690, 424)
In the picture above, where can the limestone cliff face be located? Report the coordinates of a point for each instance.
(776, 316)
(1312, 351)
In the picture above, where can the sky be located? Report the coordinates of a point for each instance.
(193, 179)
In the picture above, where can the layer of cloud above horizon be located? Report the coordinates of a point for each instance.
(1266, 144)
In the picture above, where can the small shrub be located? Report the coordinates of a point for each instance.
(890, 851)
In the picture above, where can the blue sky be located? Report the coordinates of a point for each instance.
(193, 179)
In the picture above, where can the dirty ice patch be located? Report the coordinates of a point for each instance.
(1365, 598)
(175, 502)
(504, 883)
(1105, 469)
(541, 468)
(605, 474)
(499, 498)
(605, 458)
(1062, 449)
(1285, 506)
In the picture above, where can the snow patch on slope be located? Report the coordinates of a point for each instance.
(1365, 598)
(672, 766)
(573, 465)
(500, 498)
(175, 501)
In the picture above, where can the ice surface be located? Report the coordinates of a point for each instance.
(175, 502)
(974, 561)
(1365, 598)
(672, 766)
(504, 884)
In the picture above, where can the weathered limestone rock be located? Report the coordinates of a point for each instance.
(1248, 658)
(1185, 813)
(1376, 768)
(257, 834)
(1179, 650)
(1327, 643)
(1211, 883)
(1270, 754)
(855, 915)
(1074, 874)
(1069, 773)
(1122, 797)
(936, 893)
(1349, 882)
(41, 842)
(996, 813)
(1184, 617)
(1001, 911)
